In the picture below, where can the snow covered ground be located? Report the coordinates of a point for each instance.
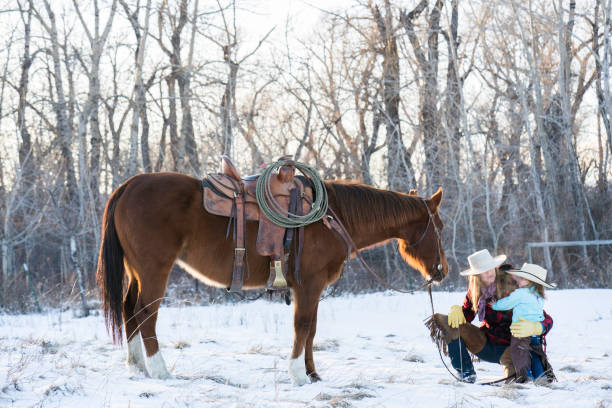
(371, 351)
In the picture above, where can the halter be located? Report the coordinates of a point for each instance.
(440, 267)
(418, 241)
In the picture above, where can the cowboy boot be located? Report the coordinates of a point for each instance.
(506, 362)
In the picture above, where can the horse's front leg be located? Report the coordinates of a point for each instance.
(309, 358)
(304, 316)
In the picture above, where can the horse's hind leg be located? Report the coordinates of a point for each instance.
(150, 297)
(135, 356)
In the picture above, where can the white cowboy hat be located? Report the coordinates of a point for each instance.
(534, 273)
(481, 261)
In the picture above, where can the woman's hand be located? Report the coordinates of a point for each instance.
(455, 316)
(525, 328)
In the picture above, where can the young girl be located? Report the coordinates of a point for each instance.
(526, 303)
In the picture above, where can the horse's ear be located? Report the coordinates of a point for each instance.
(434, 201)
(413, 192)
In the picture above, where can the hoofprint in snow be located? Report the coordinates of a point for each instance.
(370, 350)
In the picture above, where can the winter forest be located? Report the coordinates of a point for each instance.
(506, 105)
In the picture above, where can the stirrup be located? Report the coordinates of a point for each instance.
(279, 279)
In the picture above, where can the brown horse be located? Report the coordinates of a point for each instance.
(154, 220)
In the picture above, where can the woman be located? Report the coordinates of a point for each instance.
(490, 342)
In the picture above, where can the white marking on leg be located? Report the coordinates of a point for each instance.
(135, 355)
(156, 367)
(297, 371)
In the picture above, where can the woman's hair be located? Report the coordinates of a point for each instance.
(474, 285)
(504, 283)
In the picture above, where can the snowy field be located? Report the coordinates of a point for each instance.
(371, 351)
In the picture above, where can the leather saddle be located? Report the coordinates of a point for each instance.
(229, 195)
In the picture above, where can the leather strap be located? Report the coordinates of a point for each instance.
(299, 244)
(293, 203)
(240, 248)
(271, 277)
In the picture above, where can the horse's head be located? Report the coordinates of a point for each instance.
(420, 242)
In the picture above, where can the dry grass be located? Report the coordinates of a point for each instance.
(344, 399)
(326, 345)
(413, 358)
(16, 373)
(180, 345)
(259, 349)
(570, 369)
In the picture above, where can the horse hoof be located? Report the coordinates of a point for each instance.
(314, 377)
(300, 380)
(297, 371)
(135, 369)
(157, 367)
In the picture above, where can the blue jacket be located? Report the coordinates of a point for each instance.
(524, 302)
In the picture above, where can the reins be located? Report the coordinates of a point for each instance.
(433, 314)
(438, 345)
(339, 227)
(461, 359)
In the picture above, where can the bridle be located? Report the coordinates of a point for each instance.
(440, 267)
(430, 221)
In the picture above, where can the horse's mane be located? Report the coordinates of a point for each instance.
(360, 205)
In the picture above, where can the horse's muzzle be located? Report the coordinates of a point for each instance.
(438, 273)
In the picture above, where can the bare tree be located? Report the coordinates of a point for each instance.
(138, 104)
(60, 106)
(229, 47)
(179, 74)
(89, 113)
(428, 60)
(400, 174)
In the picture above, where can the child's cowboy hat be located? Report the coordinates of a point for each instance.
(481, 261)
(533, 273)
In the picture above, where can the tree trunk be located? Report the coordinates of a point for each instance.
(603, 102)
(184, 83)
(26, 161)
(61, 107)
(453, 110)
(530, 52)
(79, 274)
(227, 101)
(400, 174)
(7, 266)
(177, 142)
(428, 91)
(139, 103)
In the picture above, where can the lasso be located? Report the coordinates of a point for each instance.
(273, 210)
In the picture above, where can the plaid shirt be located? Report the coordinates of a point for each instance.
(496, 324)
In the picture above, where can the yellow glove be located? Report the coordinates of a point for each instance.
(526, 328)
(455, 316)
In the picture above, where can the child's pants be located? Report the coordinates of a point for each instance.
(520, 348)
(537, 369)
(526, 363)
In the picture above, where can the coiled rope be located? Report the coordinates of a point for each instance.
(273, 210)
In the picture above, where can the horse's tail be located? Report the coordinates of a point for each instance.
(111, 271)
